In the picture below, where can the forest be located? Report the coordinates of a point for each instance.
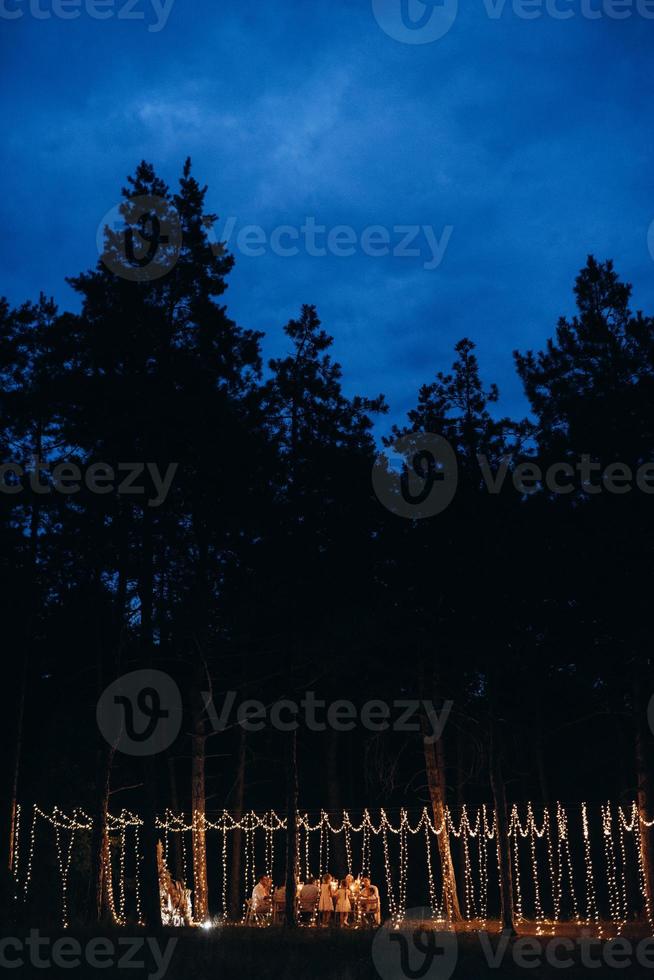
(228, 533)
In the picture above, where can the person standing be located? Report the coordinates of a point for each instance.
(343, 904)
(326, 903)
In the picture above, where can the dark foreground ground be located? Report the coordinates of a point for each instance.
(332, 954)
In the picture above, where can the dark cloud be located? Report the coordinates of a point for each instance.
(532, 139)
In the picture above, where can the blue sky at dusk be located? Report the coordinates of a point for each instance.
(531, 138)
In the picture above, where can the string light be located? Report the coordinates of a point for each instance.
(555, 872)
(325, 826)
(199, 846)
(348, 841)
(107, 878)
(430, 876)
(270, 848)
(611, 864)
(637, 821)
(137, 879)
(224, 857)
(307, 860)
(473, 828)
(365, 847)
(468, 832)
(592, 910)
(462, 832)
(16, 855)
(247, 867)
(514, 834)
(395, 905)
(403, 867)
(623, 877)
(30, 853)
(64, 860)
(563, 854)
(123, 858)
(483, 837)
(534, 834)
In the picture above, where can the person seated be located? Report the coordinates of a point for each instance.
(308, 899)
(310, 894)
(369, 901)
(279, 898)
(279, 902)
(261, 896)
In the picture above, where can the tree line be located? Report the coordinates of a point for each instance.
(270, 568)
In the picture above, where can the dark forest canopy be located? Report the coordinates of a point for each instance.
(269, 568)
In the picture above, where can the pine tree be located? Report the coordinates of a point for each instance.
(321, 436)
(163, 375)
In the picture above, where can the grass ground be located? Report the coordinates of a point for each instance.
(338, 954)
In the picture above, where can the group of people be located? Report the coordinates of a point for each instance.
(346, 902)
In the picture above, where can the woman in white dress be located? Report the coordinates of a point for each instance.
(343, 906)
(326, 903)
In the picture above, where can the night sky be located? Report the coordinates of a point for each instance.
(531, 138)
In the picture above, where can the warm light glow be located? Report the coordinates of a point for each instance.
(545, 845)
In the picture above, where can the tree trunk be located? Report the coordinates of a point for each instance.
(291, 829)
(539, 751)
(460, 783)
(643, 785)
(540, 768)
(100, 848)
(151, 893)
(16, 759)
(507, 914)
(201, 681)
(30, 614)
(237, 835)
(296, 551)
(334, 800)
(199, 805)
(102, 899)
(436, 782)
(178, 863)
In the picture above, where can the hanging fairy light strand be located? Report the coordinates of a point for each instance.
(592, 909)
(547, 841)
(348, 842)
(554, 872)
(612, 869)
(637, 823)
(623, 874)
(485, 834)
(564, 857)
(223, 852)
(16, 855)
(436, 909)
(514, 835)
